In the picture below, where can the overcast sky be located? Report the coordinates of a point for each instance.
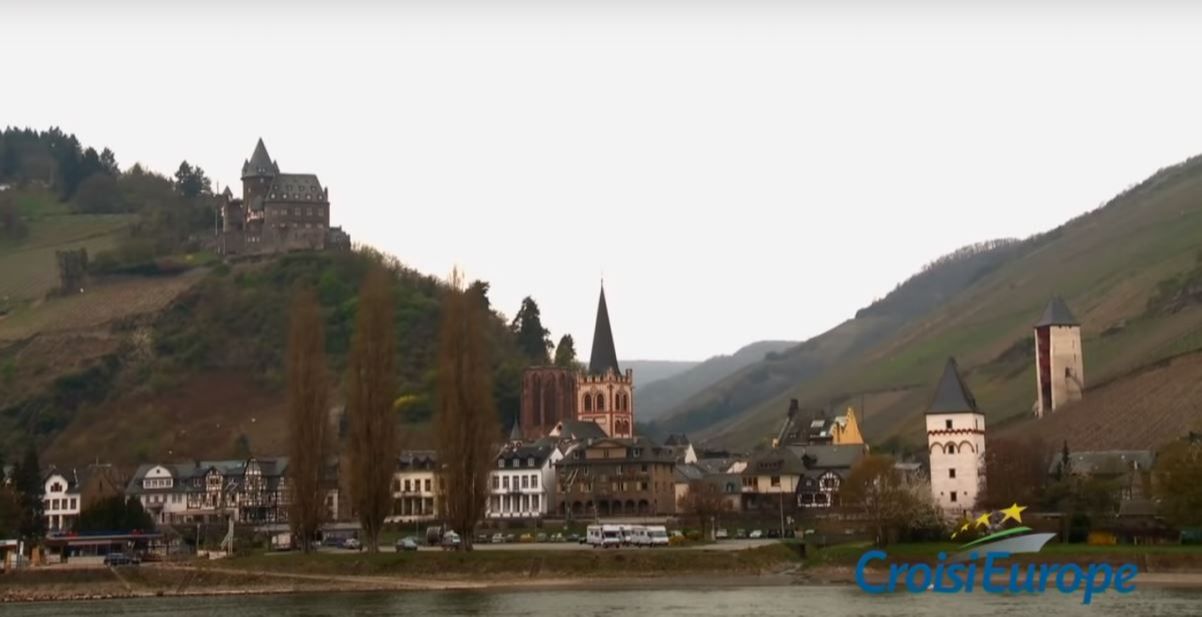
(736, 171)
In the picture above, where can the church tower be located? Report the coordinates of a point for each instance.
(1059, 367)
(604, 394)
(956, 440)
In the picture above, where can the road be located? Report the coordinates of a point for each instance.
(721, 545)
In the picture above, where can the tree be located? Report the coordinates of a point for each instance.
(1017, 472)
(308, 402)
(12, 226)
(108, 161)
(565, 352)
(466, 415)
(705, 501)
(371, 390)
(115, 513)
(10, 511)
(191, 181)
(889, 500)
(533, 339)
(1177, 483)
(27, 480)
(99, 194)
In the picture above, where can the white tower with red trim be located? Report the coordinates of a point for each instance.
(956, 440)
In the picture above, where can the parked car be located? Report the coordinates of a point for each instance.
(406, 544)
(773, 533)
(120, 559)
(331, 541)
(483, 538)
(498, 538)
(740, 533)
(450, 541)
(510, 538)
(526, 538)
(756, 534)
(542, 537)
(557, 537)
(352, 544)
(721, 534)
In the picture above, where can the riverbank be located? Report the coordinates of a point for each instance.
(531, 570)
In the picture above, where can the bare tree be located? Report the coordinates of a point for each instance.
(308, 401)
(705, 501)
(1017, 471)
(467, 418)
(371, 389)
(891, 502)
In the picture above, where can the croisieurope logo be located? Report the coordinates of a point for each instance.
(977, 562)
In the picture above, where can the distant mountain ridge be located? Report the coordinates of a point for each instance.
(1129, 270)
(656, 397)
(647, 372)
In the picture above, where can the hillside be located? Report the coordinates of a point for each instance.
(650, 371)
(657, 396)
(1129, 270)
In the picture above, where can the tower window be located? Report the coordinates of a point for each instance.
(948, 424)
(600, 402)
(953, 496)
(951, 448)
(951, 473)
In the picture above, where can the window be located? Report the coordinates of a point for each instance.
(73, 503)
(427, 485)
(588, 403)
(534, 481)
(637, 452)
(56, 488)
(953, 496)
(496, 483)
(947, 424)
(775, 481)
(951, 473)
(642, 486)
(525, 482)
(951, 448)
(600, 402)
(407, 486)
(534, 503)
(505, 482)
(748, 482)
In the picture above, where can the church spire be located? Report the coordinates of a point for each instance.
(604, 357)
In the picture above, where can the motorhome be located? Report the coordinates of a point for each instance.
(604, 536)
(650, 535)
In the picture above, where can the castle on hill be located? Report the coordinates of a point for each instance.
(277, 212)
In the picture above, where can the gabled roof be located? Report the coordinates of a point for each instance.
(515, 433)
(260, 164)
(775, 461)
(577, 429)
(952, 394)
(604, 356)
(417, 459)
(1106, 462)
(1057, 314)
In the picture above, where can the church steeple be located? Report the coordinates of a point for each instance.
(603, 357)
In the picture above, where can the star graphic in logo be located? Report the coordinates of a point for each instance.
(1014, 513)
(983, 520)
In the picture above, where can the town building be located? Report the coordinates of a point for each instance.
(601, 394)
(616, 477)
(681, 448)
(251, 491)
(417, 487)
(804, 427)
(277, 212)
(770, 481)
(1059, 367)
(67, 493)
(956, 440)
(522, 486)
(827, 467)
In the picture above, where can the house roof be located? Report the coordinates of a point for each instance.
(775, 461)
(604, 357)
(272, 469)
(260, 164)
(1107, 462)
(688, 472)
(295, 187)
(830, 456)
(952, 394)
(577, 429)
(539, 451)
(1057, 314)
(417, 459)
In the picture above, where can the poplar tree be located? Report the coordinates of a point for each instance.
(466, 414)
(308, 402)
(371, 389)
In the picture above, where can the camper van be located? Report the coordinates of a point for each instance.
(604, 536)
(650, 535)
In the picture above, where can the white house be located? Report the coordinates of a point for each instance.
(61, 501)
(162, 489)
(956, 439)
(417, 486)
(522, 484)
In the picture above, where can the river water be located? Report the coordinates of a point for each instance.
(791, 601)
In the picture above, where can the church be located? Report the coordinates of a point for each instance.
(601, 393)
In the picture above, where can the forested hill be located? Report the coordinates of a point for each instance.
(166, 352)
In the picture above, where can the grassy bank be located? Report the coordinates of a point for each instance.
(522, 563)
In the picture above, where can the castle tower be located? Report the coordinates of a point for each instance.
(956, 440)
(257, 174)
(605, 395)
(1059, 368)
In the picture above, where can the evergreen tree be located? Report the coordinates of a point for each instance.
(27, 479)
(565, 352)
(108, 162)
(533, 339)
(371, 390)
(191, 181)
(115, 514)
(308, 404)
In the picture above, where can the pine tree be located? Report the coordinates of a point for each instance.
(371, 390)
(565, 352)
(533, 339)
(308, 401)
(466, 417)
(27, 479)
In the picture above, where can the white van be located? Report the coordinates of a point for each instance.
(656, 535)
(604, 536)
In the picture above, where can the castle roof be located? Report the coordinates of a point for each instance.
(1057, 314)
(296, 187)
(260, 164)
(604, 356)
(952, 394)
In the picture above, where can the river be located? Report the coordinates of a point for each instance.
(790, 601)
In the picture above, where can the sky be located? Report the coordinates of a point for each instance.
(735, 171)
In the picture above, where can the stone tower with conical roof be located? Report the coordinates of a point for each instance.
(1059, 363)
(956, 440)
(604, 394)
